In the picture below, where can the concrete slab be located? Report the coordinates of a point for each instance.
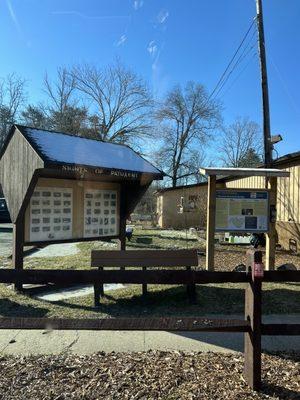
(77, 291)
(5, 242)
(57, 250)
(38, 342)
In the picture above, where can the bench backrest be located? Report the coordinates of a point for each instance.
(144, 258)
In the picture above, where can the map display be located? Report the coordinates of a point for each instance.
(242, 210)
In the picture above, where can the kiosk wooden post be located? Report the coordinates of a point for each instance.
(271, 235)
(18, 244)
(211, 221)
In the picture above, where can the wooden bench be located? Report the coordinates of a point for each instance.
(143, 259)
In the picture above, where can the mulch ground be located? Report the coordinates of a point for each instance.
(228, 257)
(151, 375)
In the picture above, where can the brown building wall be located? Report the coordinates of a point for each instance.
(195, 205)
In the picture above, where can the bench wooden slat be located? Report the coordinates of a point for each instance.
(144, 258)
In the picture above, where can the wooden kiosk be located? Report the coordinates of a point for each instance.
(62, 188)
(255, 209)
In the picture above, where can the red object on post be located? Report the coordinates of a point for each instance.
(257, 270)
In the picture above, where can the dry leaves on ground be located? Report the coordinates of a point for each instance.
(151, 375)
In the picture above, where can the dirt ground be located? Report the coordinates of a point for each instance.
(151, 375)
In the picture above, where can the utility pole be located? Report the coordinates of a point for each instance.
(264, 85)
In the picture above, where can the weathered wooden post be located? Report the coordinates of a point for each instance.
(252, 339)
(211, 222)
(18, 244)
(271, 234)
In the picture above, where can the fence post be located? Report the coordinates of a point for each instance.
(252, 339)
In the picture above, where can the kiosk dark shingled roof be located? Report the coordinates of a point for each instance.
(61, 148)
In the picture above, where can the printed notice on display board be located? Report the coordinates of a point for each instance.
(242, 210)
(101, 214)
(51, 214)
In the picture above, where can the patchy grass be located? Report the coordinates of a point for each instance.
(161, 300)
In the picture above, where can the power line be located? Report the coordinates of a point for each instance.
(240, 59)
(242, 56)
(239, 75)
(232, 59)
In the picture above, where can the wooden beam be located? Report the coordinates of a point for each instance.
(174, 277)
(245, 172)
(129, 324)
(122, 234)
(252, 339)
(171, 277)
(271, 235)
(211, 223)
(280, 329)
(281, 276)
(17, 252)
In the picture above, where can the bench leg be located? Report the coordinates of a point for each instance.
(96, 295)
(98, 291)
(101, 286)
(191, 291)
(144, 285)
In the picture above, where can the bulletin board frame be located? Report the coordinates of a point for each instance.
(236, 195)
(79, 189)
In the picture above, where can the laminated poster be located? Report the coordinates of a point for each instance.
(242, 210)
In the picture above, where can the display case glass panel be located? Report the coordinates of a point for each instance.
(100, 213)
(51, 211)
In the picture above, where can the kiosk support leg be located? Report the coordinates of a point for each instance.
(17, 254)
(271, 235)
(122, 237)
(211, 218)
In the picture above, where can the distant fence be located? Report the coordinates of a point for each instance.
(251, 325)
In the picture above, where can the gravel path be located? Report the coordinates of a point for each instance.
(151, 375)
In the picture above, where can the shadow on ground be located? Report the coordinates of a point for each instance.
(279, 391)
(9, 308)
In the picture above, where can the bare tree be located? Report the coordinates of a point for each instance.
(63, 112)
(239, 143)
(121, 98)
(35, 116)
(186, 119)
(60, 93)
(12, 97)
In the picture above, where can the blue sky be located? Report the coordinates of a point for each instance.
(165, 41)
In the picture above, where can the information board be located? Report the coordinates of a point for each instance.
(51, 214)
(100, 213)
(242, 210)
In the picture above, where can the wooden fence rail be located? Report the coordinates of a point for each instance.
(251, 326)
(44, 276)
